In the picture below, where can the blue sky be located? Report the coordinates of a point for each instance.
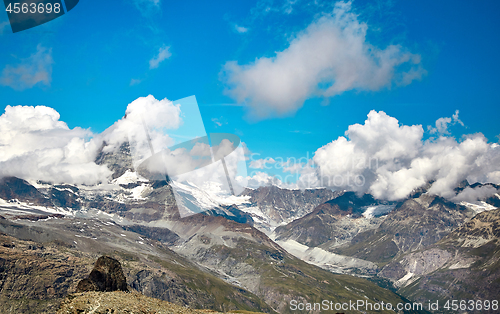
(98, 58)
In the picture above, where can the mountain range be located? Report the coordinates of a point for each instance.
(256, 252)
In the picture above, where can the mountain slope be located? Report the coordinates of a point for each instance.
(217, 264)
(69, 248)
(334, 222)
(465, 265)
(121, 302)
(415, 224)
(247, 257)
(271, 206)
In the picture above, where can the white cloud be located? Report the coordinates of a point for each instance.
(240, 29)
(294, 165)
(456, 119)
(37, 68)
(37, 145)
(219, 121)
(389, 161)
(442, 124)
(307, 178)
(487, 166)
(163, 54)
(261, 163)
(159, 116)
(473, 194)
(295, 168)
(332, 52)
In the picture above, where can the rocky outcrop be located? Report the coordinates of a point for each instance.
(35, 277)
(12, 188)
(17, 190)
(414, 225)
(30, 280)
(281, 205)
(483, 228)
(332, 223)
(246, 257)
(414, 265)
(118, 161)
(107, 275)
(464, 265)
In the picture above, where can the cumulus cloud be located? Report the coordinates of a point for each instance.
(473, 194)
(487, 169)
(37, 145)
(390, 160)
(442, 124)
(304, 179)
(329, 57)
(163, 54)
(293, 165)
(296, 173)
(37, 68)
(146, 125)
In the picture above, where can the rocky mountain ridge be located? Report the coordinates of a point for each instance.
(235, 255)
(466, 262)
(202, 261)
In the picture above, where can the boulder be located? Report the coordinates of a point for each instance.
(107, 275)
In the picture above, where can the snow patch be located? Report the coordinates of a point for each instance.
(129, 177)
(478, 207)
(405, 280)
(20, 206)
(138, 191)
(324, 259)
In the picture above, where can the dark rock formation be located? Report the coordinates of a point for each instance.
(34, 277)
(107, 275)
(118, 161)
(282, 205)
(12, 188)
(326, 225)
(414, 225)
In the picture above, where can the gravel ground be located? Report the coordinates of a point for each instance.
(120, 302)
